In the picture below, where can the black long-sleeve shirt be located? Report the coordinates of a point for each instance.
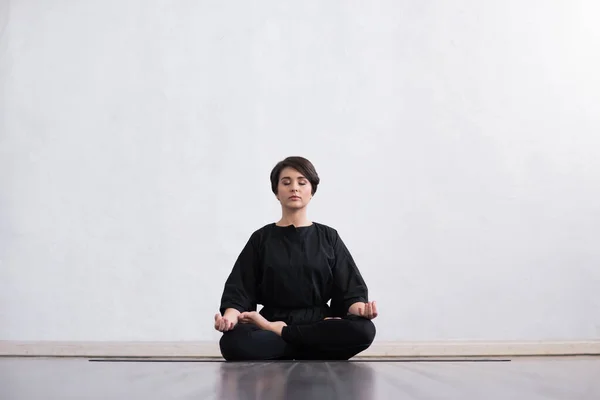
(293, 272)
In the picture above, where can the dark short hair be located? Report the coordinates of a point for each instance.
(300, 164)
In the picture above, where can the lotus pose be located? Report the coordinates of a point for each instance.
(294, 268)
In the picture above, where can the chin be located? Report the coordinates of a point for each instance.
(295, 205)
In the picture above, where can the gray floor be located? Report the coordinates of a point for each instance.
(522, 378)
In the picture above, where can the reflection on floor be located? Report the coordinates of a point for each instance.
(521, 378)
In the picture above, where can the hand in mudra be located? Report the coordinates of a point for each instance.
(369, 310)
(223, 324)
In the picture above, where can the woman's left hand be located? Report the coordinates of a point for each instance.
(365, 310)
(369, 311)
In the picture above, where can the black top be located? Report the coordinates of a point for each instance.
(293, 272)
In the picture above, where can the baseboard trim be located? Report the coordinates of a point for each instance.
(378, 349)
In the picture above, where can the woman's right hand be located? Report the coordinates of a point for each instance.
(225, 323)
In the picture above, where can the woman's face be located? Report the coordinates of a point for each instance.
(293, 189)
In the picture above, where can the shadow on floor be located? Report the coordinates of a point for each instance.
(304, 380)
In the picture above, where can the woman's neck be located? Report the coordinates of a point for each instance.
(296, 218)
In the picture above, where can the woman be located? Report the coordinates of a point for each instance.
(294, 267)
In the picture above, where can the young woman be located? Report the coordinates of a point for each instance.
(294, 268)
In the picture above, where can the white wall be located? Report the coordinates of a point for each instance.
(457, 142)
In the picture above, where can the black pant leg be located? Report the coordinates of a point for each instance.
(247, 342)
(335, 339)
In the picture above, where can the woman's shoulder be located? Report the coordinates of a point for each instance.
(328, 230)
(324, 227)
(263, 230)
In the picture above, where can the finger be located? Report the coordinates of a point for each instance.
(368, 310)
(375, 313)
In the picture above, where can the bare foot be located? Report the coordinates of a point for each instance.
(255, 318)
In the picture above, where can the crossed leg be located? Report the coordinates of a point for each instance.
(332, 339)
(247, 342)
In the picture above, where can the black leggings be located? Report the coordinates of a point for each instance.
(332, 339)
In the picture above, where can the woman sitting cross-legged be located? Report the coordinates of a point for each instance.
(294, 268)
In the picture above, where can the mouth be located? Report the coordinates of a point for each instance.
(294, 198)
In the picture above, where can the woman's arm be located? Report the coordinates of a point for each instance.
(239, 293)
(350, 292)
